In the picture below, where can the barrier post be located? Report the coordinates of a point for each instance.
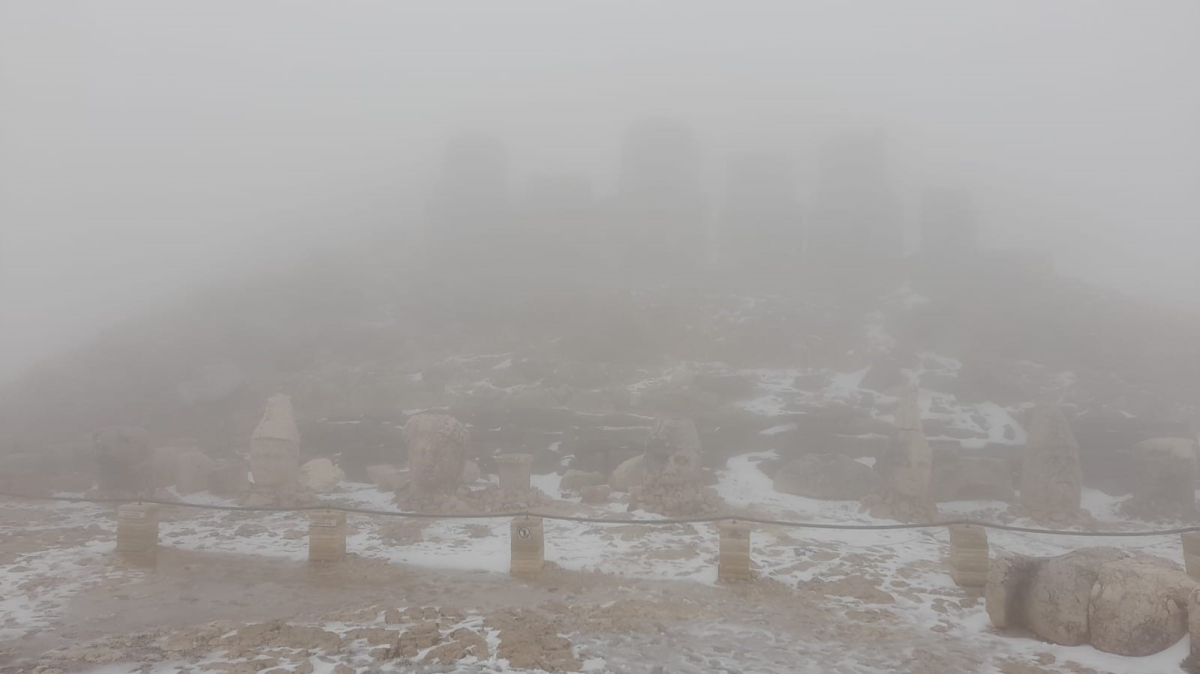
(528, 547)
(1191, 553)
(969, 559)
(137, 533)
(733, 558)
(515, 471)
(326, 535)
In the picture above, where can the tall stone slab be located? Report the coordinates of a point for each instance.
(275, 447)
(1051, 477)
(908, 470)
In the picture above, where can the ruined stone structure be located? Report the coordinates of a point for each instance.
(275, 449)
(672, 484)
(124, 460)
(1051, 478)
(326, 536)
(733, 560)
(949, 226)
(467, 214)
(1165, 486)
(907, 470)
(528, 547)
(1119, 602)
(761, 223)
(137, 533)
(437, 453)
(660, 220)
(856, 220)
(969, 560)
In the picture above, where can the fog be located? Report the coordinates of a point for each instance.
(149, 148)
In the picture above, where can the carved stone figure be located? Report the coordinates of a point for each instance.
(275, 447)
(1051, 478)
(907, 470)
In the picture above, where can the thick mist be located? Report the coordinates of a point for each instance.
(149, 148)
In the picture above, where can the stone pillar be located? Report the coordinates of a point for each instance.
(515, 471)
(326, 535)
(969, 556)
(1191, 553)
(528, 547)
(137, 533)
(733, 560)
(1193, 609)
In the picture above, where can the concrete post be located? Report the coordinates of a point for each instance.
(137, 533)
(969, 558)
(1191, 553)
(733, 559)
(326, 535)
(528, 547)
(515, 471)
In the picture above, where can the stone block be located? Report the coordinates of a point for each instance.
(528, 547)
(733, 560)
(1191, 553)
(137, 533)
(969, 558)
(326, 535)
(515, 471)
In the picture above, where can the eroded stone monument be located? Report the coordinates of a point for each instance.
(673, 484)
(275, 451)
(1051, 478)
(907, 469)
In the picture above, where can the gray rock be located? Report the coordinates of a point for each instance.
(573, 480)
(829, 477)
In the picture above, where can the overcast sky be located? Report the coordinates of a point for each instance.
(147, 147)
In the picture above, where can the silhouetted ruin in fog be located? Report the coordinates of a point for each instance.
(660, 205)
(468, 211)
(856, 219)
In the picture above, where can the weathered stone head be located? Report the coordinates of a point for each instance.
(437, 452)
(1051, 477)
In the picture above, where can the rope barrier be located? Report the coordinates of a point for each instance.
(620, 520)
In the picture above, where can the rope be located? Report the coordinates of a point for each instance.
(620, 520)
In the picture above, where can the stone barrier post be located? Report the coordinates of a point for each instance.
(528, 547)
(137, 533)
(1191, 553)
(969, 556)
(326, 535)
(733, 559)
(515, 471)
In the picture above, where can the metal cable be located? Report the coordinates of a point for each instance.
(615, 520)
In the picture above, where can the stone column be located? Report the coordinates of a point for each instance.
(1191, 553)
(515, 471)
(326, 535)
(137, 533)
(1193, 609)
(969, 556)
(733, 560)
(528, 547)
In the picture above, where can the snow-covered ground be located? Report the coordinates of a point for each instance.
(899, 571)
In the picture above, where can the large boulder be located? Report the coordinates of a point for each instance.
(437, 453)
(321, 476)
(573, 480)
(1139, 606)
(1165, 486)
(830, 477)
(1119, 602)
(124, 459)
(631, 473)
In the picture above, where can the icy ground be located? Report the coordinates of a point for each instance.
(824, 601)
